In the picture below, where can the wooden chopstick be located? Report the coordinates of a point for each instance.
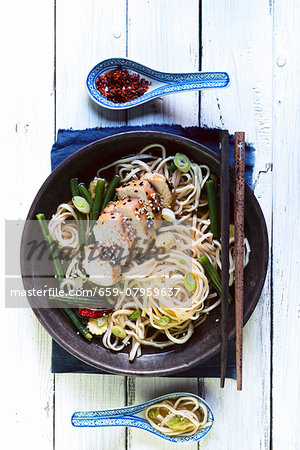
(239, 167)
(225, 219)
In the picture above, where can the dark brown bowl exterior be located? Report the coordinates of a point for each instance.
(205, 342)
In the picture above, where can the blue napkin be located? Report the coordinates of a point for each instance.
(68, 141)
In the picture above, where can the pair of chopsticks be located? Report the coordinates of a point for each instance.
(239, 166)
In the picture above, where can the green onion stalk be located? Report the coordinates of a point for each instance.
(80, 215)
(60, 276)
(110, 192)
(85, 193)
(96, 207)
(212, 275)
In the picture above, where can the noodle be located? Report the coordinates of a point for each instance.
(186, 310)
(183, 416)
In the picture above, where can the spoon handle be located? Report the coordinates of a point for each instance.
(91, 415)
(197, 80)
(119, 421)
(125, 410)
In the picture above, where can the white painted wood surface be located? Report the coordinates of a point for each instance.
(246, 105)
(286, 234)
(27, 125)
(253, 41)
(168, 41)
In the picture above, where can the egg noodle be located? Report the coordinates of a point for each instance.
(183, 416)
(184, 311)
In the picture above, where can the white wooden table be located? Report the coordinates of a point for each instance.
(49, 47)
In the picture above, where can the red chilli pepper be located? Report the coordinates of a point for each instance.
(94, 313)
(120, 86)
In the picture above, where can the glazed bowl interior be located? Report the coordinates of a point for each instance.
(205, 342)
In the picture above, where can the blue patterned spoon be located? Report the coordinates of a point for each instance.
(131, 416)
(162, 83)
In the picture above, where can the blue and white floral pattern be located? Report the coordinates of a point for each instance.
(125, 417)
(162, 83)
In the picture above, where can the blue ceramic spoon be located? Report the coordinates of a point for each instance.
(162, 83)
(130, 416)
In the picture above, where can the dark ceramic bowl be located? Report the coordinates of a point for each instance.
(205, 342)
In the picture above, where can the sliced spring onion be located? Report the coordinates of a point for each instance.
(168, 215)
(119, 332)
(182, 162)
(134, 315)
(178, 423)
(165, 320)
(153, 414)
(182, 261)
(102, 321)
(171, 166)
(189, 281)
(81, 204)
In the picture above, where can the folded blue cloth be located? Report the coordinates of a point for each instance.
(68, 141)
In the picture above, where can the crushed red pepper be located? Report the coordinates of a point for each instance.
(120, 86)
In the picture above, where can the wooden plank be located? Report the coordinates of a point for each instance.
(170, 31)
(75, 392)
(28, 393)
(29, 96)
(286, 230)
(86, 33)
(28, 124)
(237, 38)
(164, 35)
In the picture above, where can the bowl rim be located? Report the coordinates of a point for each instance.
(183, 366)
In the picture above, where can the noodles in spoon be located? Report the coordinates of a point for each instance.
(183, 416)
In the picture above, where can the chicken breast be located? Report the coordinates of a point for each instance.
(100, 271)
(112, 233)
(162, 186)
(145, 193)
(137, 219)
(127, 227)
